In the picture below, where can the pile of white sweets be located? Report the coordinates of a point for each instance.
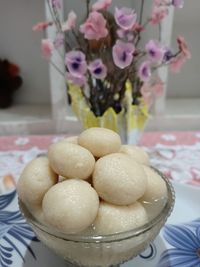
(91, 182)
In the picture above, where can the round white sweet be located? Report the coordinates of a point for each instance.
(37, 213)
(35, 181)
(71, 206)
(100, 141)
(113, 219)
(118, 179)
(71, 139)
(70, 160)
(137, 153)
(156, 186)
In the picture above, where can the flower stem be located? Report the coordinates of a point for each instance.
(77, 39)
(56, 67)
(52, 15)
(159, 31)
(88, 7)
(57, 22)
(140, 22)
(141, 11)
(166, 64)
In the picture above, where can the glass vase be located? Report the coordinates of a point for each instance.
(129, 123)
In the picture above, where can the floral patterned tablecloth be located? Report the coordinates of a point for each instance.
(177, 154)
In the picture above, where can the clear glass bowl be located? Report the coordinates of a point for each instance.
(102, 251)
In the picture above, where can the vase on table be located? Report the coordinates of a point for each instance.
(128, 119)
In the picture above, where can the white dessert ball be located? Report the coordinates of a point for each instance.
(137, 153)
(118, 179)
(71, 206)
(156, 186)
(113, 219)
(100, 141)
(37, 213)
(71, 139)
(35, 181)
(71, 160)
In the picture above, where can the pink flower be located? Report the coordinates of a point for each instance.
(158, 14)
(155, 51)
(177, 63)
(41, 26)
(125, 18)
(144, 71)
(101, 4)
(77, 79)
(147, 94)
(76, 63)
(158, 87)
(47, 48)
(95, 27)
(70, 23)
(183, 47)
(98, 69)
(123, 54)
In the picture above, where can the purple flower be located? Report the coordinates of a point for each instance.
(123, 54)
(76, 62)
(125, 35)
(56, 3)
(145, 71)
(98, 69)
(125, 18)
(77, 79)
(154, 50)
(178, 3)
(59, 40)
(185, 240)
(167, 56)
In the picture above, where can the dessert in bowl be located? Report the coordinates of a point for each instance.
(100, 215)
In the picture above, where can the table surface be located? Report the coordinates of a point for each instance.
(177, 154)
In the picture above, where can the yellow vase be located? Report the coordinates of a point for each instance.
(129, 123)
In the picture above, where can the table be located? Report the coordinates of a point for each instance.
(177, 154)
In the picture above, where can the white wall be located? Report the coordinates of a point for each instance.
(19, 44)
(187, 23)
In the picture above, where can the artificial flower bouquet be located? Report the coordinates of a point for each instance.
(112, 79)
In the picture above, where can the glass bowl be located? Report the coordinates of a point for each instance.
(107, 250)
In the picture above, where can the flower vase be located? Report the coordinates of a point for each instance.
(129, 123)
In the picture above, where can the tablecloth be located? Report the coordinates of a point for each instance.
(177, 154)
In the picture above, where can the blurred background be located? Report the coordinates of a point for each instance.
(37, 106)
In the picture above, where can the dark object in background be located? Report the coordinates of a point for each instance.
(10, 81)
